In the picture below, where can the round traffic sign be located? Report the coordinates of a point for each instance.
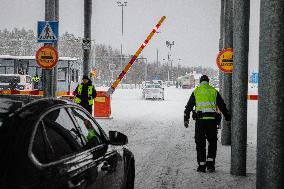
(225, 60)
(47, 57)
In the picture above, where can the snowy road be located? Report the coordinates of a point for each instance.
(164, 150)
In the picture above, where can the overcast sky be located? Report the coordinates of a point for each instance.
(193, 25)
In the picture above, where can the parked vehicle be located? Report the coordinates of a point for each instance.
(186, 82)
(54, 143)
(15, 82)
(153, 91)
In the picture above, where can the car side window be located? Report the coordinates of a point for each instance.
(54, 138)
(91, 132)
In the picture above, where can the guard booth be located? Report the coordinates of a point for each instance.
(102, 108)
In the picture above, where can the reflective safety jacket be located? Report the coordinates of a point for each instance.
(36, 78)
(91, 134)
(205, 99)
(90, 98)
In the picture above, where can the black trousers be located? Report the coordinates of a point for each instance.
(206, 130)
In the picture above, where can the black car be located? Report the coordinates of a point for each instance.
(54, 143)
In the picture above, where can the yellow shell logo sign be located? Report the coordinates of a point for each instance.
(225, 60)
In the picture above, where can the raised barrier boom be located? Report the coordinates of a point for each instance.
(130, 63)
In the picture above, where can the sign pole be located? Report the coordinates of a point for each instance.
(49, 75)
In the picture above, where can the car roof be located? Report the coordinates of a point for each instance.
(13, 103)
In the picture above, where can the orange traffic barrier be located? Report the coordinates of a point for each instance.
(102, 107)
(34, 92)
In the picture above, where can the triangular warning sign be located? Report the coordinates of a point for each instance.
(47, 33)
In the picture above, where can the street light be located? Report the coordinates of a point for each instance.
(121, 4)
(169, 45)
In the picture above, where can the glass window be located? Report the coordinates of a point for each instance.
(7, 62)
(56, 137)
(50, 144)
(2, 70)
(33, 63)
(61, 117)
(9, 79)
(32, 71)
(62, 73)
(28, 79)
(9, 70)
(90, 129)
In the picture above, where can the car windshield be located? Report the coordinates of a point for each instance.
(9, 79)
(7, 106)
(153, 86)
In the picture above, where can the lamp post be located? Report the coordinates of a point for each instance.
(178, 67)
(121, 4)
(169, 45)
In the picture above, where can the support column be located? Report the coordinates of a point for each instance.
(270, 127)
(221, 44)
(227, 79)
(240, 86)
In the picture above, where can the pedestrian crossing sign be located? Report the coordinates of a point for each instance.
(47, 31)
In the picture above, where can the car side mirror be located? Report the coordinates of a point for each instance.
(117, 138)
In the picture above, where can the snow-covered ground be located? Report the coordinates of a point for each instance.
(165, 150)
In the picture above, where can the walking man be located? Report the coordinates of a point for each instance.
(85, 93)
(206, 100)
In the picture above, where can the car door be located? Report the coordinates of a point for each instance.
(58, 150)
(113, 164)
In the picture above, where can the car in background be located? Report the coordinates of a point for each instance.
(15, 82)
(153, 91)
(55, 143)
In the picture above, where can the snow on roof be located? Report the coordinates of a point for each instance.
(33, 58)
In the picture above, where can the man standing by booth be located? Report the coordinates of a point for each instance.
(85, 93)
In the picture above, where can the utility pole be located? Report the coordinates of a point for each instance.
(49, 76)
(121, 4)
(240, 86)
(227, 81)
(270, 130)
(87, 37)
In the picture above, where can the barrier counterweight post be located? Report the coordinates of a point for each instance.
(131, 62)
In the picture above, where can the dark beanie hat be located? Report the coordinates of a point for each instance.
(86, 77)
(204, 78)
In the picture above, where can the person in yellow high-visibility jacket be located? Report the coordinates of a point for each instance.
(85, 93)
(207, 101)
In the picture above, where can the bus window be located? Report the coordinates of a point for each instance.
(62, 73)
(32, 71)
(2, 70)
(9, 70)
(28, 79)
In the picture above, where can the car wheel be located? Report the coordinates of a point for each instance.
(130, 177)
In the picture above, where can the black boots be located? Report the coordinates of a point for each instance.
(210, 166)
(201, 168)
